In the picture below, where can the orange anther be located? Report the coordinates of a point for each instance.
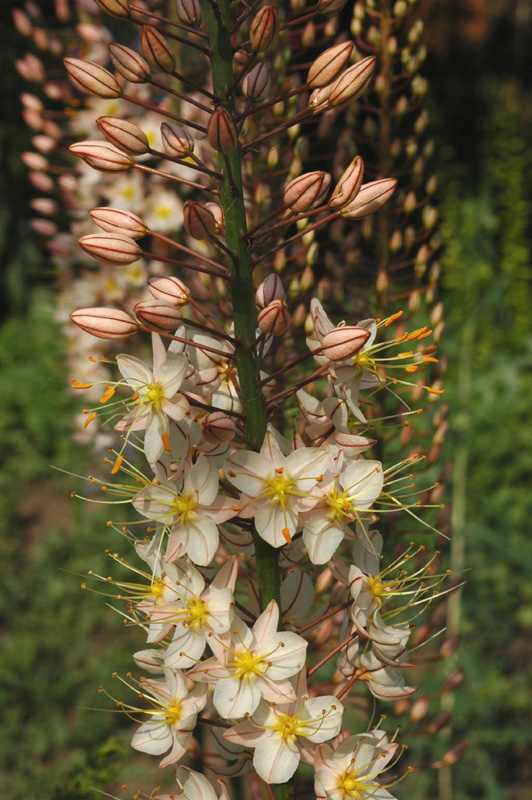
(166, 442)
(117, 465)
(286, 534)
(90, 418)
(411, 368)
(231, 473)
(401, 338)
(107, 394)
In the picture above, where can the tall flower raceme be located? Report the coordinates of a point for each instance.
(245, 453)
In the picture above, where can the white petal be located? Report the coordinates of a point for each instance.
(322, 545)
(186, 647)
(171, 374)
(288, 658)
(203, 477)
(234, 697)
(248, 471)
(202, 539)
(153, 737)
(276, 759)
(135, 371)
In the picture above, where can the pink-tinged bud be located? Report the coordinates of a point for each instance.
(105, 323)
(198, 220)
(116, 220)
(158, 315)
(188, 12)
(221, 132)
(129, 64)
(217, 427)
(156, 50)
(453, 681)
(329, 7)
(438, 722)
(270, 289)
(44, 227)
(45, 144)
(92, 78)
(327, 67)
(353, 82)
(32, 102)
(177, 141)
(218, 214)
(35, 161)
(307, 191)
(452, 756)
(41, 182)
(349, 184)
(419, 708)
(257, 84)
(319, 99)
(344, 342)
(111, 248)
(102, 156)
(170, 289)
(116, 8)
(370, 198)
(352, 444)
(44, 205)
(275, 318)
(124, 134)
(449, 646)
(263, 28)
(22, 22)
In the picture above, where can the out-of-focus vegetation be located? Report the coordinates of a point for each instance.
(58, 644)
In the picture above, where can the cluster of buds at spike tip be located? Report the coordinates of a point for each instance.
(105, 323)
(92, 78)
(124, 134)
(307, 191)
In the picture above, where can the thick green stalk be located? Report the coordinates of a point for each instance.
(241, 268)
(218, 20)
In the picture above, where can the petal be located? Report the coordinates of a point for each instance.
(202, 539)
(172, 373)
(153, 737)
(276, 759)
(203, 478)
(135, 371)
(248, 471)
(233, 697)
(288, 656)
(322, 545)
(266, 625)
(186, 647)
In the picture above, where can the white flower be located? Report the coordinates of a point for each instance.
(172, 723)
(277, 486)
(283, 734)
(252, 664)
(156, 397)
(351, 771)
(192, 515)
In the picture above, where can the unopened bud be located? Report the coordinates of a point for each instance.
(218, 214)
(307, 191)
(308, 35)
(124, 134)
(328, 66)
(453, 681)
(263, 28)
(105, 323)
(156, 50)
(199, 222)
(257, 84)
(319, 99)
(329, 7)
(343, 342)
(396, 241)
(353, 82)
(158, 315)
(349, 184)
(44, 205)
(221, 132)
(370, 198)
(449, 646)
(218, 427)
(188, 12)
(116, 220)
(436, 314)
(129, 64)
(176, 141)
(419, 708)
(102, 156)
(111, 248)
(439, 722)
(34, 161)
(44, 227)
(170, 289)
(116, 8)
(92, 78)
(452, 756)
(275, 318)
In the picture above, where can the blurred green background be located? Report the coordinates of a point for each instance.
(59, 644)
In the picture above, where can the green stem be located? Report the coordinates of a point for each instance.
(218, 20)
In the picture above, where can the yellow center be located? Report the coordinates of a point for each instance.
(173, 713)
(248, 664)
(279, 488)
(354, 787)
(185, 507)
(197, 613)
(339, 505)
(157, 589)
(155, 394)
(289, 727)
(363, 361)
